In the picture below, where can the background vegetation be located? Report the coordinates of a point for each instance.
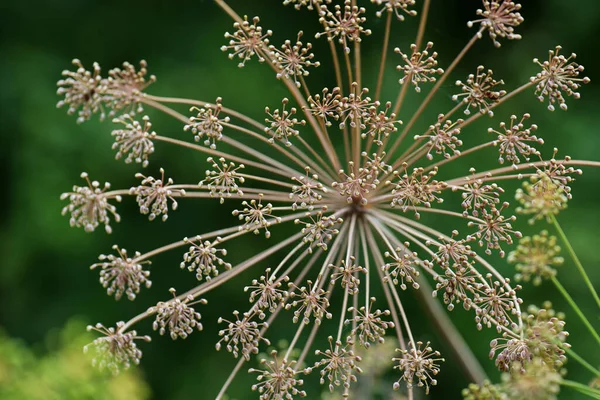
(44, 275)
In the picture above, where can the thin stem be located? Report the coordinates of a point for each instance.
(575, 307)
(581, 388)
(230, 378)
(386, 42)
(581, 361)
(585, 276)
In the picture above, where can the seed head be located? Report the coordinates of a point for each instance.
(177, 316)
(293, 59)
(153, 195)
(515, 139)
(255, 216)
(306, 194)
(267, 293)
(499, 18)
(418, 364)
(120, 274)
(125, 87)
(402, 267)
(480, 92)
(496, 303)
(348, 274)
(338, 364)
(89, 205)
(396, 6)
(242, 336)
(345, 23)
(420, 67)
(320, 230)
(206, 124)
(541, 198)
(478, 196)
(559, 75)
(443, 137)
(204, 258)
(418, 188)
(535, 258)
(370, 326)
(281, 124)
(327, 105)
(278, 380)
(84, 91)
(312, 302)
(534, 381)
(247, 41)
(223, 180)
(115, 350)
(134, 140)
(493, 228)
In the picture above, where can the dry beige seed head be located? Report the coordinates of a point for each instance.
(281, 124)
(204, 257)
(266, 292)
(84, 91)
(402, 267)
(379, 125)
(417, 189)
(206, 124)
(559, 75)
(420, 67)
(443, 137)
(293, 59)
(153, 195)
(496, 303)
(480, 92)
(338, 364)
(493, 228)
(514, 140)
(418, 365)
(121, 274)
(309, 4)
(478, 196)
(320, 230)
(255, 216)
(499, 18)
(115, 350)
(356, 186)
(89, 205)
(278, 380)
(133, 140)
(125, 87)
(247, 41)
(177, 316)
(370, 326)
(396, 6)
(327, 105)
(305, 194)
(223, 179)
(348, 274)
(242, 336)
(345, 23)
(312, 302)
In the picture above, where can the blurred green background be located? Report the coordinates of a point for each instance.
(45, 281)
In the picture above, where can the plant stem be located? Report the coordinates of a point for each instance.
(587, 280)
(581, 361)
(581, 388)
(576, 308)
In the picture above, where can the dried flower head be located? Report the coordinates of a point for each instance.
(338, 364)
(535, 258)
(206, 124)
(370, 326)
(417, 189)
(480, 91)
(177, 316)
(133, 140)
(348, 274)
(242, 336)
(153, 195)
(402, 267)
(478, 196)
(493, 228)
(223, 180)
(443, 137)
(541, 198)
(204, 257)
(281, 124)
(326, 105)
(420, 67)
(344, 22)
(83, 90)
(247, 41)
(418, 365)
(115, 350)
(559, 75)
(396, 6)
(306, 193)
(499, 18)
(255, 216)
(125, 87)
(266, 292)
(89, 205)
(515, 139)
(293, 59)
(121, 274)
(278, 380)
(312, 302)
(484, 391)
(497, 303)
(320, 231)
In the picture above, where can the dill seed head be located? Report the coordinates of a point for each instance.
(419, 365)
(370, 325)
(514, 140)
(559, 75)
(535, 258)
(402, 267)
(499, 18)
(266, 292)
(242, 336)
(348, 275)
(396, 6)
(338, 364)
(278, 379)
(344, 22)
(484, 391)
(320, 230)
(311, 302)
(247, 41)
(153, 195)
(121, 274)
(281, 124)
(83, 90)
(480, 92)
(223, 179)
(133, 140)
(206, 124)
(293, 59)
(204, 258)
(115, 350)
(89, 205)
(177, 316)
(443, 137)
(255, 216)
(420, 66)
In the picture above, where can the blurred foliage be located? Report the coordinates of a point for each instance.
(44, 275)
(62, 371)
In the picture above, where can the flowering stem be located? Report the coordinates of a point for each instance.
(581, 361)
(578, 311)
(230, 378)
(581, 388)
(586, 278)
